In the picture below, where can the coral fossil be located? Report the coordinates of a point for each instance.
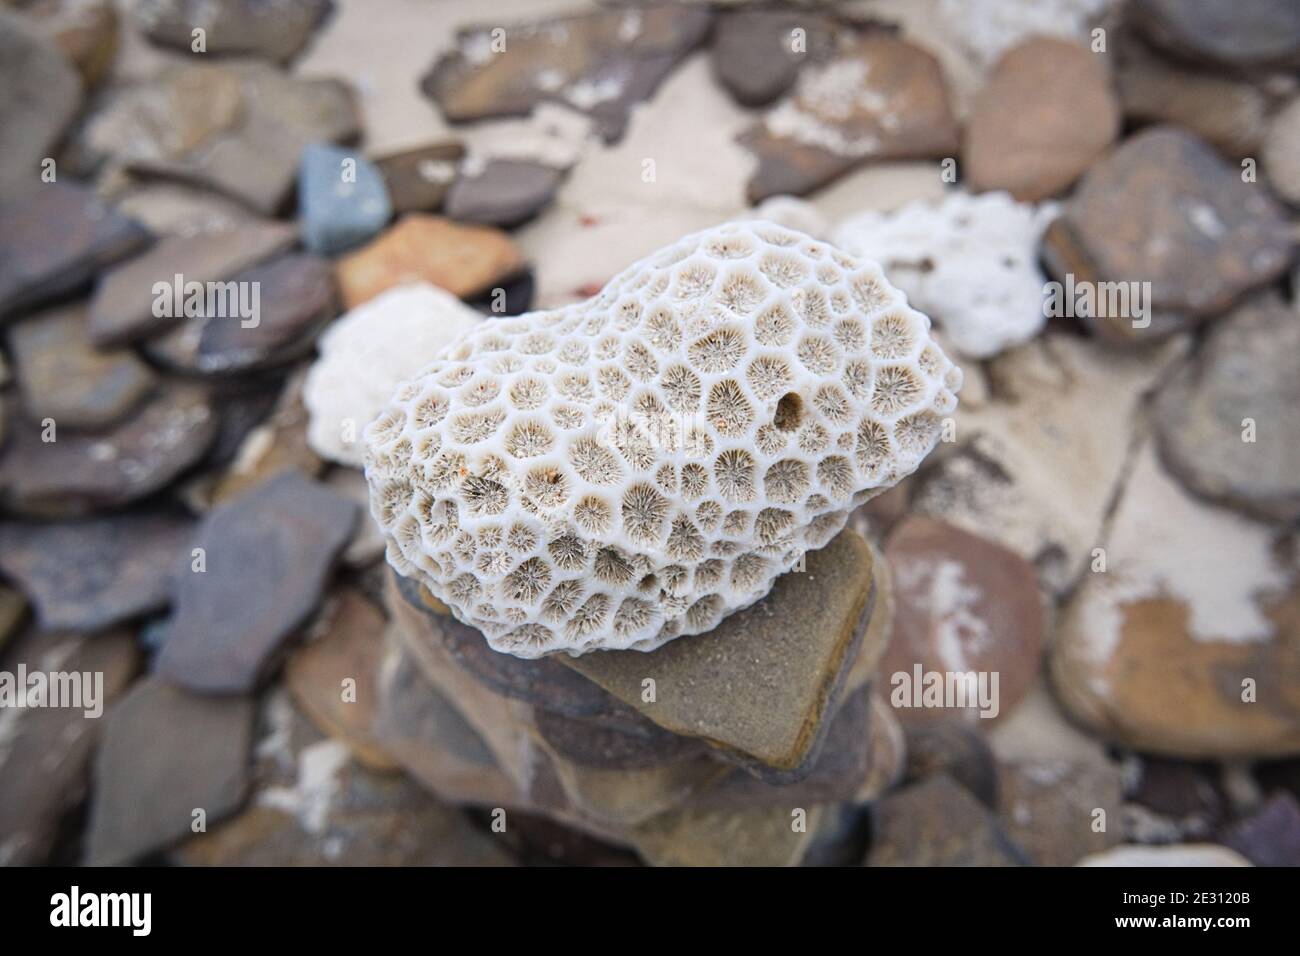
(630, 469)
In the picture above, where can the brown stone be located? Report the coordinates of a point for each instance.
(1045, 115)
(334, 675)
(418, 179)
(1164, 208)
(899, 110)
(965, 606)
(763, 682)
(600, 63)
(938, 823)
(1226, 112)
(1050, 809)
(774, 836)
(1188, 644)
(463, 260)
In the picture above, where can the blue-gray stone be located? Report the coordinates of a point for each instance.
(342, 199)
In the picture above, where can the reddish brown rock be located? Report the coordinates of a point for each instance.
(464, 260)
(1045, 115)
(964, 606)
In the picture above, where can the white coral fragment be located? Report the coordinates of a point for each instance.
(659, 453)
(970, 262)
(367, 352)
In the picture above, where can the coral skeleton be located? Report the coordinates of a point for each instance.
(632, 468)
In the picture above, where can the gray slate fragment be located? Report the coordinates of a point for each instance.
(268, 555)
(40, 93)
(165, 754)
(90, 574)
(54, 239)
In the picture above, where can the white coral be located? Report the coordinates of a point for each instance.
(991, 27)
(971, 262)
(635, 467)
(366, 353)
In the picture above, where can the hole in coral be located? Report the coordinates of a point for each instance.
(789, 412)
(648, 583)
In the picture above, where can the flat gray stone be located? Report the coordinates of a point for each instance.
(90, 574)
(273, 30)
(45, 762)
(40, 93)
(296, 298)
(236, 127)
(268, 554)
(1254, 33)
(166, 753)
(123, 308)
(81, 472)
(62, 376)
(1248, 367)
(504, 192)
(54, 238)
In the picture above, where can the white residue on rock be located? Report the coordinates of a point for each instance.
(1158, 548)
(310, 799)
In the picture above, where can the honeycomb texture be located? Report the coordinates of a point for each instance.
(633, 468)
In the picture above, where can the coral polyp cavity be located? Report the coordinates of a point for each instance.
(633, 468)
